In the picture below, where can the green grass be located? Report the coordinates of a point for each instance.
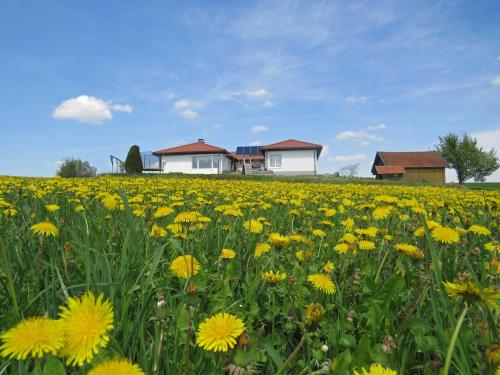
(483, 185)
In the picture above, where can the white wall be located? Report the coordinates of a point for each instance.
(183, 164)
(294, 161)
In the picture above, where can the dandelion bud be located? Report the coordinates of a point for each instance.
(314, 313)
(324, 348)
(161, 301)
(350, 316)
(191, 288)
(244, 341)
(68, 247)
(262, 330)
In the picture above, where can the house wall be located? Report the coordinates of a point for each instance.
(293, 162)
(432, 175)
(183, 164)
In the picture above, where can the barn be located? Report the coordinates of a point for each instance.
(424, 166)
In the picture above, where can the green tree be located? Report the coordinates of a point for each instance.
(133, 162)
(76, 168)
(467, 158)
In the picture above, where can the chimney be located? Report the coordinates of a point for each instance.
(201, 140)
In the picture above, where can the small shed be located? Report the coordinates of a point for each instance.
(425, 166)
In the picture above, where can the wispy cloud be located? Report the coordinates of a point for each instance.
(363, 136)
(258, 93)
(189, 114)
(343, 158)
(495, 81)
(256, 143)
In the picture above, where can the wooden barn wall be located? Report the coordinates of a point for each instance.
(432, 175)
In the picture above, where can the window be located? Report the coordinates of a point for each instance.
(274, 161)
(205, 162)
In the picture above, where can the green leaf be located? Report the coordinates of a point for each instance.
(53, 367)
(362, 355)
(347, 341)
(273, 354)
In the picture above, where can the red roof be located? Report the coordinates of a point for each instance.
(292, 144)
(192, 148)
(390, 169)
(241, 157)
(421, 159)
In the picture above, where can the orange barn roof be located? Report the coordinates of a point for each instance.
(419, 159)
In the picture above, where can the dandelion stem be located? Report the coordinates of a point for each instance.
(292, 356)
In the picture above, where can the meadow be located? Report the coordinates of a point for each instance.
(133, 275)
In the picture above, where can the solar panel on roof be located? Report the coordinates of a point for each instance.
(247, 150)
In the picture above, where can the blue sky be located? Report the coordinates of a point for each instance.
(89, 78)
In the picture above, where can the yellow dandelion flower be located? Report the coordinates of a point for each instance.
(10, 212)
(253, 226)
(116, 366)
(219, 332)
(278, 240)
(445, 235)
(319, 233)
(366, 245)
(380, 213)
(157, 231)
(349, 238)
(227, 254)
(376, 370)
(342, 248)
(471, 292)
(328, 267)
(86, 323)
(261, 248)
(185, 266)
(410, 250)
(492, 247)
(330, 212)
(273, 277)
(322, 282)
(45, 228)
(52, 207)
(480, 230)
(32, 337)
(302, 255)
(162, 212)
(189, 217)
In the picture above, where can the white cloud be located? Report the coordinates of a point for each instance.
(189, 114)
(256, 143)
(258, 93)
(122, 108)
(185, 104)
(259, 129)
(495, 81)
(185, 108)
(217, 126)
(267, 104)
(376, 127)
(356, 99)
(86, 108)
(363, 136)
(341, 158)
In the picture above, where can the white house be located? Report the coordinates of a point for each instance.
(290, 157)
(198, 157)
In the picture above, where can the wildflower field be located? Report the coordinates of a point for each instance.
(118, 275)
